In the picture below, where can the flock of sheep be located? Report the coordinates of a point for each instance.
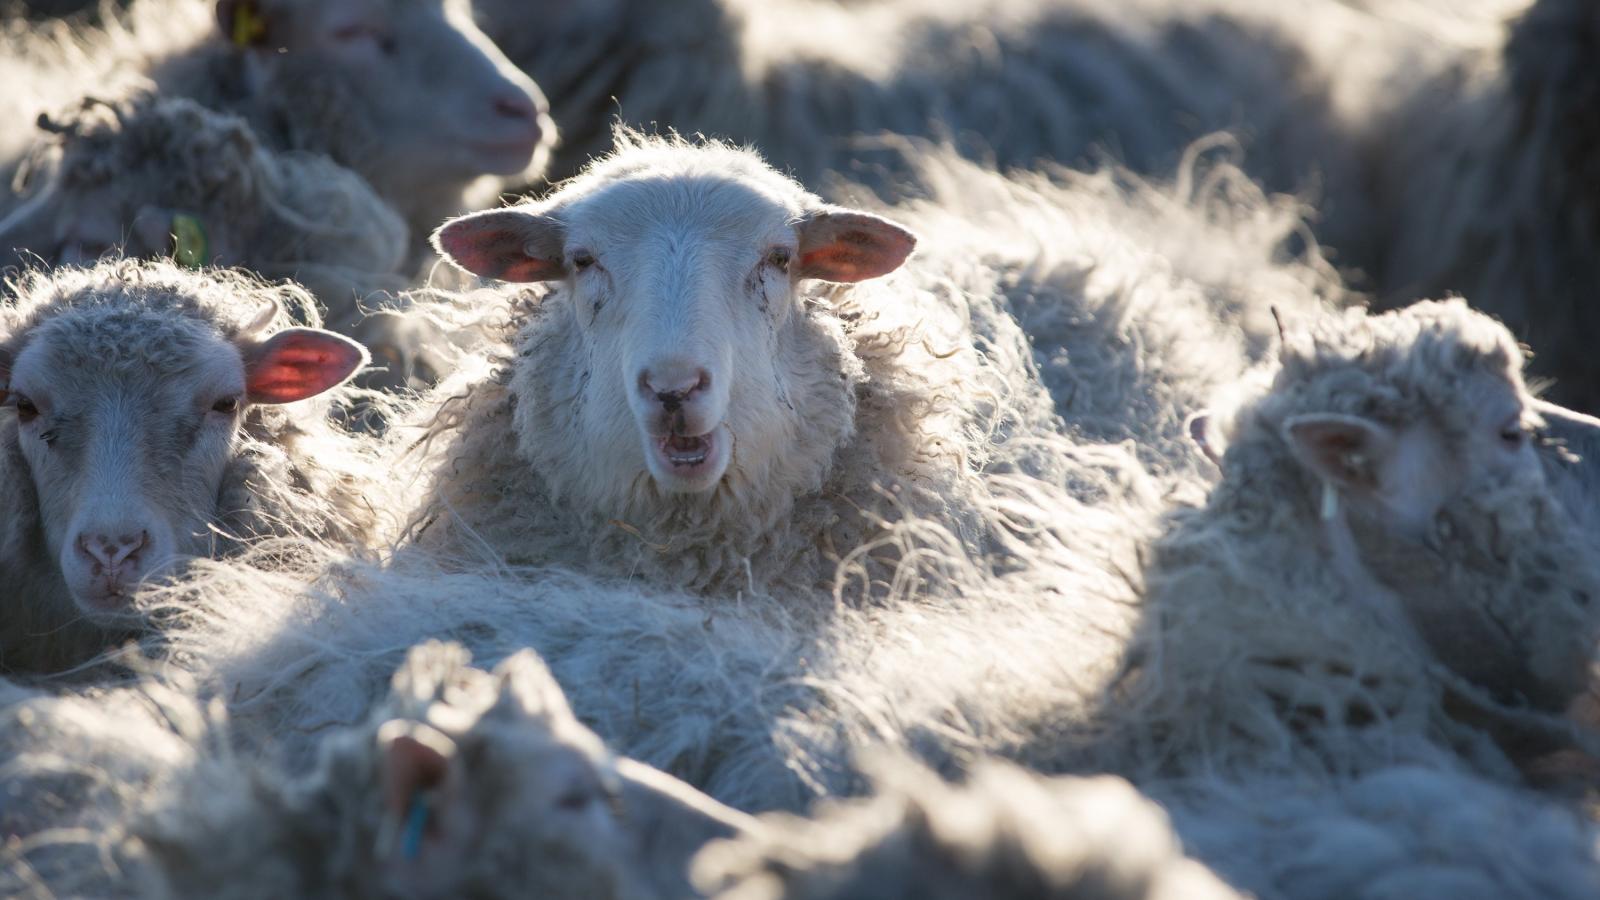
(894, 448)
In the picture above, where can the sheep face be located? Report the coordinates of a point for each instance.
(125, 420)
(463, 783)
(683, 295)
(1432, 497)
(432, 94)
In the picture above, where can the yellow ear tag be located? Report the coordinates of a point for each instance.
(249, 28)
(189, 246)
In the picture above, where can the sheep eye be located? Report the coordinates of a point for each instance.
(1513, 436)
(778, 258)
(226, 406)
(26, 411)
(582, 259)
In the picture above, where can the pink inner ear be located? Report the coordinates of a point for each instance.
(855, 252)
(411, 766)
(494, 251)
(300, 363)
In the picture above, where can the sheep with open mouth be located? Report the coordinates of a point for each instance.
(700, 393)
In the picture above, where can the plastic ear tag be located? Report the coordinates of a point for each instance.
(249, 29)
(416, 826)
(190, 248)
(1330, 502)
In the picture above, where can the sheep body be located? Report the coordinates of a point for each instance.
(1013, 81)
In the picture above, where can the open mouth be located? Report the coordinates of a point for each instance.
(689, 463)
(685, 452)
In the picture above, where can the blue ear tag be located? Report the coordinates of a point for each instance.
(416, 825)
(190, 248)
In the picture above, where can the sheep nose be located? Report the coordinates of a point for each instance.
(109, 554)
(674, 386)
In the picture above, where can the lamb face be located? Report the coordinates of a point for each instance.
(686, 354)
(125, 405)
(432, 97)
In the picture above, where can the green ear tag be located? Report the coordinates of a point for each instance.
(248, 27)
(189, 245)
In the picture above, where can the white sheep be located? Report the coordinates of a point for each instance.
(1282, 625)
(1015, 81)
(460, 781)
(142, 425)
(696, 397)
(409, 95)
(1383, 561)
(1004, 834)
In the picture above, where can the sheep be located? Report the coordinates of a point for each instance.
(1014, 81)
(409, 95)
(1382, 563)
(149, 177)
(142, 425)
(461, 781)
(1006, 833)
(519, 797)
(689, 401)
(124, 174)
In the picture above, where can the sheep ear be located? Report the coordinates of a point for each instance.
(413, 758)
(508, 244)
(1349, 452)
(1199, 429)
(243, 23)
(298, 363)
(844, 245)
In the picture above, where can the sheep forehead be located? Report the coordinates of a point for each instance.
(123, 345)
(1435, 357)
(708, 209)
(160, 289)
(198, 150)
(666, 161)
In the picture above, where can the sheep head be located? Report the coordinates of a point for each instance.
(412, 94)
(151, 177)
(679, 273)
(1414, 439)
(126, 388)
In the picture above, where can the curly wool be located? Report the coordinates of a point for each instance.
(272, 213)
(291, 473)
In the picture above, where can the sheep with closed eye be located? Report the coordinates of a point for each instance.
(409, 95)
(1384, 560)
(145, 422)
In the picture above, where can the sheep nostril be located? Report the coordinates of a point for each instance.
(516, 106)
